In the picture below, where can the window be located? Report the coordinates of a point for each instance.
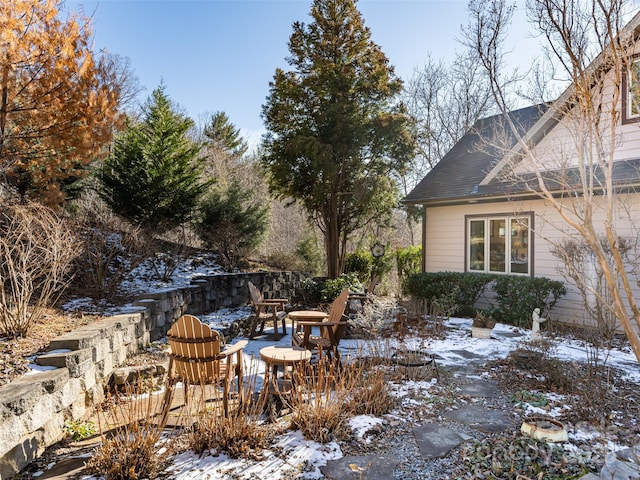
(499, 244)
(631, 93)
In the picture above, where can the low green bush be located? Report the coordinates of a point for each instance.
(463, 288)
(333, 287)
(408, 260)
(359, 263)
(311, 290)
(517, 296)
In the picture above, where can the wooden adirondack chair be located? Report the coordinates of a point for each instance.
(267, 309)
(196, 359)
(331, 331)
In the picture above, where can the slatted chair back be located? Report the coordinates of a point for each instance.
(196, 359)
(337, 317)
(267, 310)
(195, 351)
(256, 296)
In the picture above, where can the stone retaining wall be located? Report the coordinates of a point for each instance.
(34, 408)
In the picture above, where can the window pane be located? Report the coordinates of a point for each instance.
(497, 251)
(519, 245)
(476, 245)
(634, 90)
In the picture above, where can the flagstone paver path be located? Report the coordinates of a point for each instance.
(431, 440)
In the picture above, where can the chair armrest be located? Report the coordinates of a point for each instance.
(236, 347)
(267, 304)
(279, 300)
(311, 323)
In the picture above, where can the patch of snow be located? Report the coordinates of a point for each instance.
(34, 368)
(361, 424)
(297, 455)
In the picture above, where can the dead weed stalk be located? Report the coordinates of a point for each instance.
(130, 438)
(333, 392)
(241, 433)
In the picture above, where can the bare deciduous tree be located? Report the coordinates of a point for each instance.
(446, 100)
(577, 176)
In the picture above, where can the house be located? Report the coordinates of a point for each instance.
(504, 197)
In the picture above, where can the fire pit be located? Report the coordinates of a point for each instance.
(412, 362)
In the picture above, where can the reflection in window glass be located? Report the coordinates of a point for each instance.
(519, 245)
(633, 94)
(476, 245)
(497, 245)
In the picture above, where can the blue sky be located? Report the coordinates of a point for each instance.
(219, 55)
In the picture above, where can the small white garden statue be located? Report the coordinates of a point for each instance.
(535, 328)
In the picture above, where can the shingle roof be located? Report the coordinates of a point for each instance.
(458, 175)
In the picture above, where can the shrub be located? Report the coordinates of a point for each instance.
(461, 290)
(517, 296)
(333, 287)
(408, 261)
(107, 255)
(359, 263)
(311, 290)
(170, 250)
(311, 255)
(285, 261)
(36, 248)
(231, 223)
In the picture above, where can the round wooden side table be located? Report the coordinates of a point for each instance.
(280, 356)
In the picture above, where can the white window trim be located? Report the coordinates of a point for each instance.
(627, 95)
(507, 218)
(630, 93)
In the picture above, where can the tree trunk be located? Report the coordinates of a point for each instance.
(332, 246)
(4, 85)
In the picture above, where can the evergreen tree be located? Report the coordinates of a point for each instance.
(336, 132)
(153, 175)
(222, 134)
(231, 224)
(224, 150)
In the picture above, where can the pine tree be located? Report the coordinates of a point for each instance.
(153, 175)
(336, 132)
(230, 223)
(222, 134)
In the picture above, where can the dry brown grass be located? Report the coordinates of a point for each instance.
(240, 434)
(130, 436)
(371, 394)
(321, 409)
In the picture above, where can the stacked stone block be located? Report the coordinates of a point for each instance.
(34, 408)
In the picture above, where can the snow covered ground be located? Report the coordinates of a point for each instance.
(293, 456)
